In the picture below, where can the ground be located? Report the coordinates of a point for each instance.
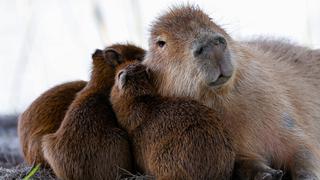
(11, 160)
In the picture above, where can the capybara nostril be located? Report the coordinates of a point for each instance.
(207, 46)
(220, 41)
(198, 51)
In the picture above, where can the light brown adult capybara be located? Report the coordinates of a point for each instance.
(172, 138)
(46, 113)
(268, 97)
(89, 144)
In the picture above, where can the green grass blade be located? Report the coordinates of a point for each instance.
(32, 172)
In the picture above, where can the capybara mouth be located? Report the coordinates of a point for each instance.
(221, 80)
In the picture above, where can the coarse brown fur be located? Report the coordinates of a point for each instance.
(44, 116)
(89, 144)
(271, 101)
(46, 113)
(172, 138)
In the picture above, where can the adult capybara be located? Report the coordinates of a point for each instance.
(89, 144)
(270, 102)
(46, 113)
(172, 138)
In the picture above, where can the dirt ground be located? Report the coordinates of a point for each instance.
(11, 160)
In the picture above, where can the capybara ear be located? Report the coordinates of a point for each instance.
(97, 54)
(140, 56)
(121, 78)
(113, 57)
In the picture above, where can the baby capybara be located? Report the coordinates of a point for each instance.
(46, 113)
(88, 143)
(172, 138)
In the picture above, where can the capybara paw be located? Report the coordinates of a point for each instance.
(113, 57)
(269, 175)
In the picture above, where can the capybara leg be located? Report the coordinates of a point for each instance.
(305, 165)
(256, 170)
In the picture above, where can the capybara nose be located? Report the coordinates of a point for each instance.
(210, 46)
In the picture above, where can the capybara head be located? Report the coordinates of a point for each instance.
(129, 51)
(187, 50)
(132, 79)
(109, 55)
(105, 61)
(119, 53)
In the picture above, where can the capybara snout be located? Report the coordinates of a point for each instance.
(210, 45)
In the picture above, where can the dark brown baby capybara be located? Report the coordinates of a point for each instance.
(172, 138)
(88, 143)
(46, 113)
(267, 95)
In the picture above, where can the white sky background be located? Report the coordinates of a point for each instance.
(47, 42)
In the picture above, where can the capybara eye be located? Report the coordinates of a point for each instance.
(161, 43)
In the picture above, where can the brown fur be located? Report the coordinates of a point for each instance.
(44, 116)
(46, 113)
(172, 138)
(88, 143)
(270, 103)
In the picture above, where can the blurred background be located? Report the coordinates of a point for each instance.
(47, 42)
